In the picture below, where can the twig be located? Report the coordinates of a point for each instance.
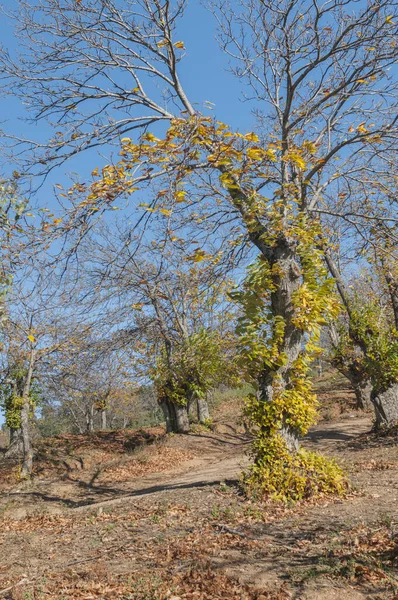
(224, 528)
(24, 580)
(83, 560)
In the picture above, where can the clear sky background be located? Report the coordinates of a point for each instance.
(204, 74)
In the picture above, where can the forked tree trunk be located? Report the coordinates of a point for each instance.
(287, 282)
(386, 406)
(363, 394)
(203, 410)
(385, 402)
(360, 384)
(176, 417)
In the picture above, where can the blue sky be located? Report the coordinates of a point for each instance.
(203, 72)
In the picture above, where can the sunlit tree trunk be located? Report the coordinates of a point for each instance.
(15, 448)
(274, 381)
(90, 418)
(176, 417)
(103, 418)
(386, 406)
(363, 393)
(27, 463)
(203, 410)
(385, 402)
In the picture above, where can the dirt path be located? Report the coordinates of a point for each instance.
(164, 524)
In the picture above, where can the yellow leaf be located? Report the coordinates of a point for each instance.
(252, 137)
(180, 45)
(309, 146)
(180, 196)
(137, 306)
(165, 211)
(297, 159)
(149, 137)
(31, 338)
(389, 19)
(56, 221)
(255, 153)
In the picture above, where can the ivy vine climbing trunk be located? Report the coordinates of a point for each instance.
(286, 280)
(286, 298)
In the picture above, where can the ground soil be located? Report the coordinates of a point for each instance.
(146, 516)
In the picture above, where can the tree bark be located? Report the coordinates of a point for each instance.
(386, 406)
(27, 463)
(363, 394)
(176, 417)
(287, 282)
(16, 445)
(90, 419)
(168, 416)
(203, 410)
(361, 385)
(385, 402)
(181, 418)
(103, 418)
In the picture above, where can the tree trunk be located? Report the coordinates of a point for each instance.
(15, 448)
(176, 417)
(168, 416)
(27, 463)
(363, 394)
(26, 441)
(103, 418)
(203, 410)
(361, 385)
(386, 406)
(385, 402)
(287, 282)
(181, 418)
(90, 419)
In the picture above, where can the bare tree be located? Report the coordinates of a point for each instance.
(96, 72)
(163, 300)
